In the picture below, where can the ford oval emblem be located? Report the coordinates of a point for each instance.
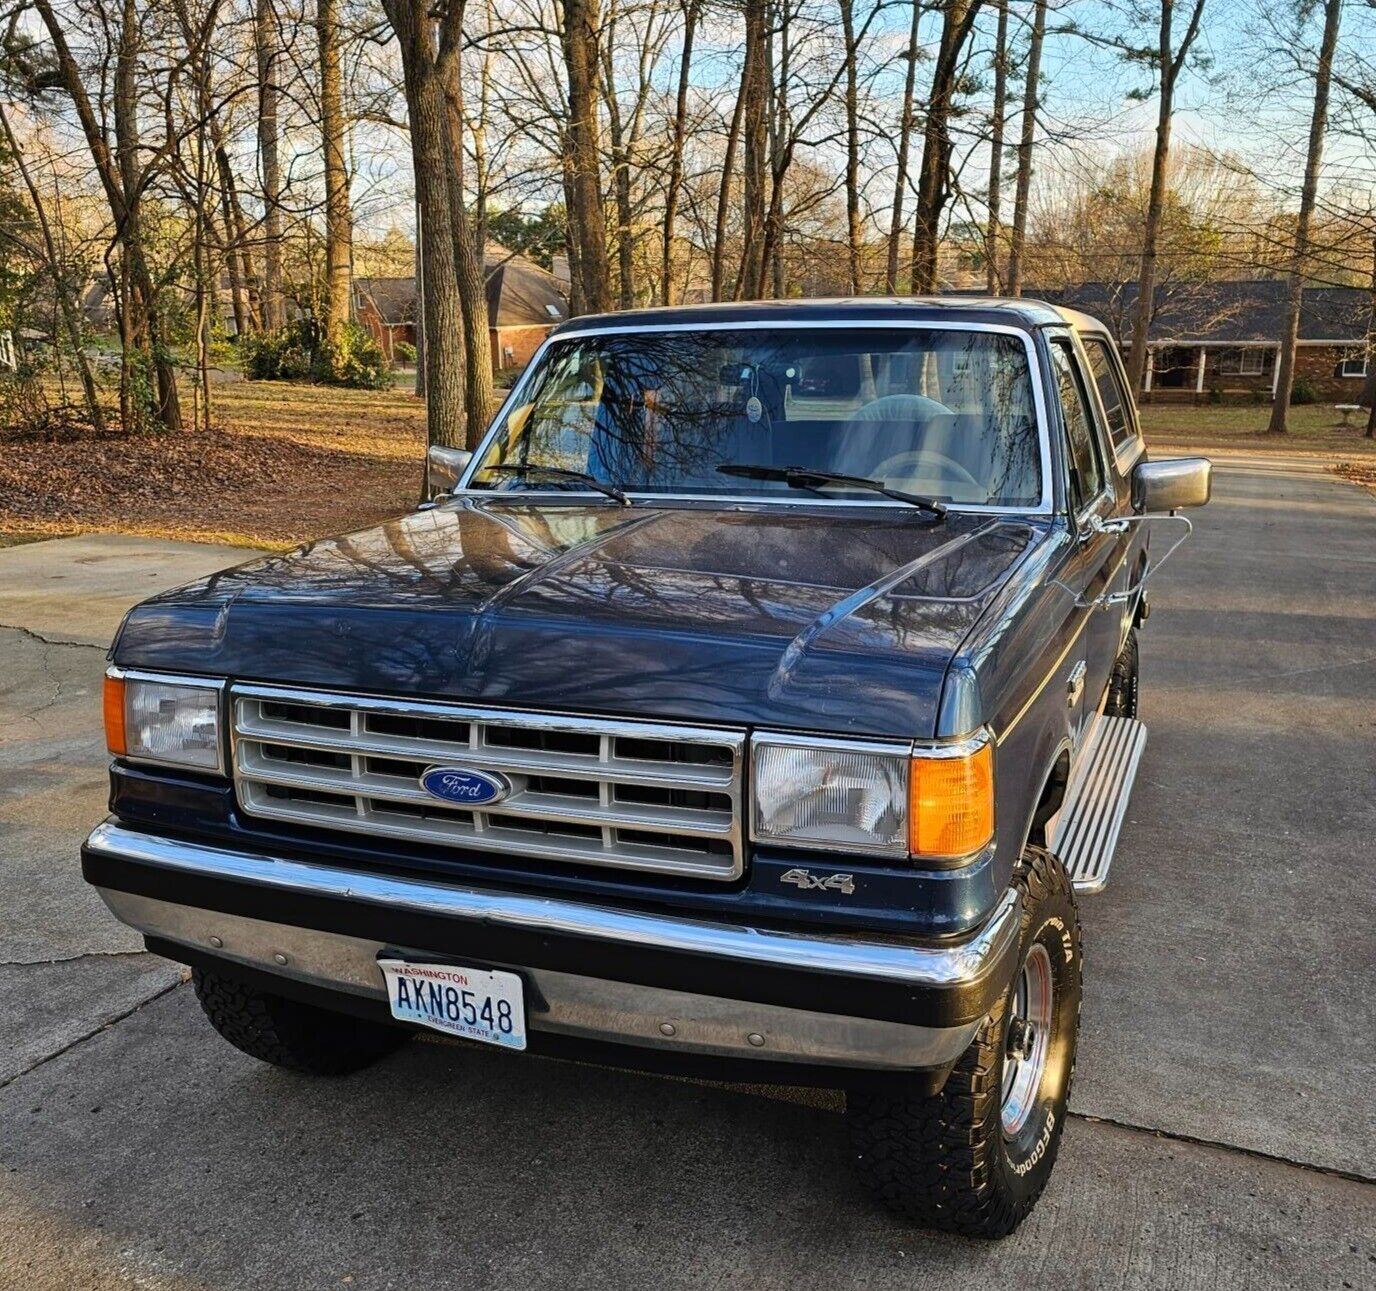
(464, 786)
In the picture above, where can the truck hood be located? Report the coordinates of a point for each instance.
(825, 618)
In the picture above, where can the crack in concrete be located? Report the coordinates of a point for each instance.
(71, 959)
(95, 1031)
(1175, 1136)
(51, 641)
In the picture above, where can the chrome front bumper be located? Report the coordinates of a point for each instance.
(213, 902)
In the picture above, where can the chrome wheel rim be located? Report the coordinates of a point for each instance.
(1029, 1039)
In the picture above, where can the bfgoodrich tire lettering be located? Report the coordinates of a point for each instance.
(948, 1161)
(286, 1033)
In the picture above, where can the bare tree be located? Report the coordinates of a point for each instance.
(933, 189)
(579, 33)
(338, 210)
(1318, 124)
(71, 319)
(692, 12)
(267, 48)
(123, 180)
(1169, 61)
(1026, 140)
(997, 121)
(905, 134)
(445, 366)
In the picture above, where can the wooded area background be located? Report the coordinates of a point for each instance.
(220, 169)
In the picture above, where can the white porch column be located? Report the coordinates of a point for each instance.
(1275, 374)
(1151, 364)
(1199, 376)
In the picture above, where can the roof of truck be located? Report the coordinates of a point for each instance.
(859, 310)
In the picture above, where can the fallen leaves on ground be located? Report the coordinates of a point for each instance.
(282, 464)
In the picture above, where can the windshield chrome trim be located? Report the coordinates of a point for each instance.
(1044, 507)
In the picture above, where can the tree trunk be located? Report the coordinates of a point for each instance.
(933, 185)
(468, 248)
(755, 128)
(996, 126)
(1318, 124)
(267, 46)
(586, 214)
(733, 136)
(1026, 139)
(1169, 63)
(1369, 392)
(854, 232)
(690, 24)
(905, 134)
(440, 303)
(338, 215)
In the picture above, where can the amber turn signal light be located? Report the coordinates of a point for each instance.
(114, 715)
(951, 803)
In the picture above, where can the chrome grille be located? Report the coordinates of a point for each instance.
(638, 795)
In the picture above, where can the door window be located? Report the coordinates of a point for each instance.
(1086, 473)
(1111, 394)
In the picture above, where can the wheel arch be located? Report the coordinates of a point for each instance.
(1050, 796)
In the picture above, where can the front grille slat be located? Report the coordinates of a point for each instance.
(622, 770)
(632, 795)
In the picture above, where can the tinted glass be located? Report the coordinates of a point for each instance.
(1110, 391)
(1086, 477)
(948, 414)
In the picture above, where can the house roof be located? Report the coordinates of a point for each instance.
(1223, 312)
(519, 293)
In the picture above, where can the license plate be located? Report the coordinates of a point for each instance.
(474, 1003)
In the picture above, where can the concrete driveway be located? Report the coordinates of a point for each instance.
(1223, 1132)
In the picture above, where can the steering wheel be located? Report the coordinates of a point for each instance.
(918, 462)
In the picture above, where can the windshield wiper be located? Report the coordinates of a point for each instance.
(560, 473)
(807, 477)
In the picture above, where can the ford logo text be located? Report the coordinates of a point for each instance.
(465, 787)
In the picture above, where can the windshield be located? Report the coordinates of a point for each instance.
(945, 414)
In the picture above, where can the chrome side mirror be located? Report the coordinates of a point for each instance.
(1172, 484)
(446, 467)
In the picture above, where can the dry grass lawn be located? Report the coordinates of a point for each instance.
(291, 462)
(1315, 428)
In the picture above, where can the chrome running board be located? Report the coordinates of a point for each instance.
(1096, 800)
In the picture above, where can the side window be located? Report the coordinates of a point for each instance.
(1111, 395)
(1086, 474)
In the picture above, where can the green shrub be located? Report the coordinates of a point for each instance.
(284, 355)
(1303, 391)
(356, 361)
(404, 352)
(1215, 394)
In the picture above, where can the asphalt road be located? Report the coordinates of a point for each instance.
(1223, 1129)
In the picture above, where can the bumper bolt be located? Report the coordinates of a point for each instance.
(217, 942)
(756, 1039)
(280, 957)
(667, 1028)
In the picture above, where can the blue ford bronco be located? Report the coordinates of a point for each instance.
(752, 703)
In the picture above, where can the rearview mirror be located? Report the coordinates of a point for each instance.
(446, 465)
(1172, 484)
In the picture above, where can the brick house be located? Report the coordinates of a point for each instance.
(523, 303)
(1215, 339)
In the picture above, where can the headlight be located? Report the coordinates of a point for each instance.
(156, 719)
(894, 800)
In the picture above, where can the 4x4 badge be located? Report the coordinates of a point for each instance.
(807, 881)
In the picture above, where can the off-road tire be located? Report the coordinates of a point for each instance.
(287, 1033)
(944, 1161)
(1122, 683)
